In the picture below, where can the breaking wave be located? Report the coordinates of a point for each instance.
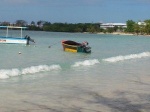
(40, 68)
(5, 73)
(86, 63)
(127, 57)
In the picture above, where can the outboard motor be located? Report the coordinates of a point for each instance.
(29, 39)
(87, 49)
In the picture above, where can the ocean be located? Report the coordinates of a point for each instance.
(114, 77)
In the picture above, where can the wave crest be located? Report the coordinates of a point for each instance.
(86, 63)
(5, 73)
(127, 57)
(40, 68)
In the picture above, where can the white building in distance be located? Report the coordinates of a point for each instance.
(141, 23)
(112, 25)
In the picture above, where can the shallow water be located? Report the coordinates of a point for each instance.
(113, 78)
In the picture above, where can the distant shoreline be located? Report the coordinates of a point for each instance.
(122, 33)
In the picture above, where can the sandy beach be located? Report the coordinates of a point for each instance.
(114, 77)
(123, 33)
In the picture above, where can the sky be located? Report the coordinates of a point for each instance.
(74, 11)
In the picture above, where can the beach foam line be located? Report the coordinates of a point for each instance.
(86, 63)
(7, 73)
(127, 57)
(40, 68)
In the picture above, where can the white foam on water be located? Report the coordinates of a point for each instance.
(7, 73)
(4, 74)
(127, 57)
(40, 68)
(86, 63)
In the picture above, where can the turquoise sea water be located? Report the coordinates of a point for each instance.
(115, 77)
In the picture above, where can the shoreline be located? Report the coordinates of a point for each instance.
(122, 33)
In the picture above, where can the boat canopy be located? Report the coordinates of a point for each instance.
(13, 27)
(16, 27)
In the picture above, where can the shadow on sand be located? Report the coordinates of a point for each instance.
(122, 101)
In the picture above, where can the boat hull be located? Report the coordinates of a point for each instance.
(14, 40)
(9, 40)
(77, 47)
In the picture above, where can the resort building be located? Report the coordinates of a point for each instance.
(112, 25)
(141, 23)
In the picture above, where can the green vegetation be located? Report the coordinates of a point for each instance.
(66, 27)
(142, 28)
(130, 26)
(58, 27)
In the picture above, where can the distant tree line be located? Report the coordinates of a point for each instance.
(132, 27)
(57, 27)
(68, 27)
(142, 28)
(65, 27)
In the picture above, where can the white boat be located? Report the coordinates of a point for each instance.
(14, 40)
